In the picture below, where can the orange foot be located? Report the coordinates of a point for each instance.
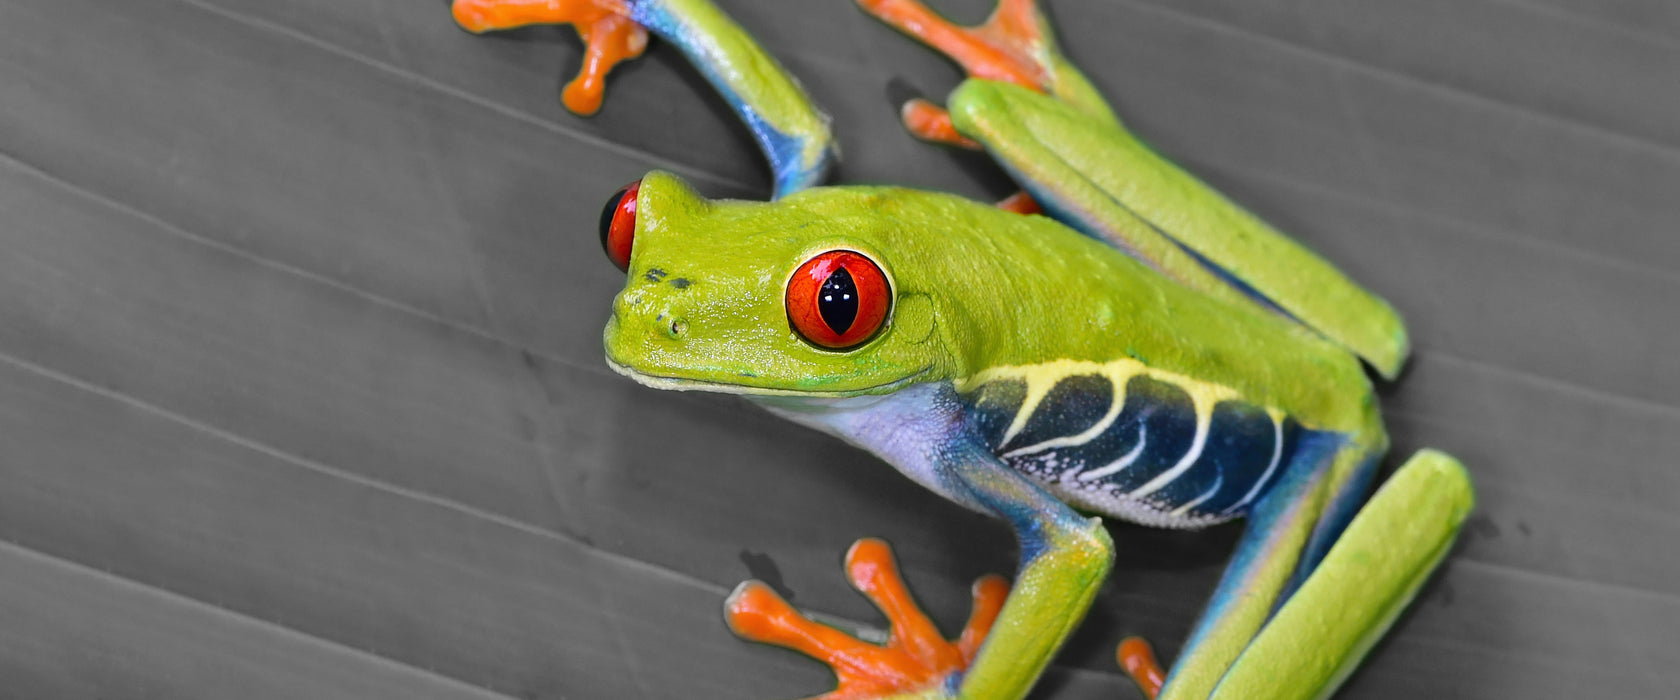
(916, 657)
(1138, 660)
(1012, 46)
(609, 36)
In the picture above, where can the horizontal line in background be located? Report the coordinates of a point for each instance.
(649, 157)
(266, 626)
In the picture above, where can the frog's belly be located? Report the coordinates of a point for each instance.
(1124, 441)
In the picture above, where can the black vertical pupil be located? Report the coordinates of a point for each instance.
(607, 217)
(837, 301)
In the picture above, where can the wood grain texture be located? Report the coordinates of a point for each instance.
(300, 376)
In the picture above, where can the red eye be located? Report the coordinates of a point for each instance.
(838, 299)
(618, 225)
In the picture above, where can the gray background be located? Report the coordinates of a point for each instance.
(300, 377)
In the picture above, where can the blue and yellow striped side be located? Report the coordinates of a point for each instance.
(1125, 440)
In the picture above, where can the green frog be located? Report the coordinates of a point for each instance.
(1120, 341)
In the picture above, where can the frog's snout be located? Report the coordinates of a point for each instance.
(651, 316)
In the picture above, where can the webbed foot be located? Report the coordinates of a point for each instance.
(917, 660)
(608, 33)
(1013, 46)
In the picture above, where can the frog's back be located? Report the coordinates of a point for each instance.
(1121, 391)
(1116, 388)
(1017, 291)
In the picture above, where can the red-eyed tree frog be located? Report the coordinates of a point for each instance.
(1147, 350)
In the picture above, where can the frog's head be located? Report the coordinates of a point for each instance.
(809, 295)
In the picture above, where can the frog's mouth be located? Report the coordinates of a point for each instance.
(671, 383)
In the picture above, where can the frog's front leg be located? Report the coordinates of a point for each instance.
(1064, 556)
(608, 33)
(791, 131)
(1064, 559)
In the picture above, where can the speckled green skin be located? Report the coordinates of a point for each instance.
(976, 288)
(1105, 182)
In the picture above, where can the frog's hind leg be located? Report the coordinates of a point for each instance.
(1367, 578)
(1374, 568)
(1014, 45)
(1010, 46)
(1000, 49)
(1300, 557)
(1045, 123)
(1326, 468)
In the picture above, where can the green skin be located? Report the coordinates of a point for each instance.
(977, 288)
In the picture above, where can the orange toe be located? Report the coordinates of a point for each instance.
(930, 122)
(1138, 660)
(1020, 203)
(989, 594)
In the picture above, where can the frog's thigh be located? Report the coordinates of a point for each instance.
(1064, 558)
(1325, 469)
(1370, 574)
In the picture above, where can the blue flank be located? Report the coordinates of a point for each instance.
(1154, 430)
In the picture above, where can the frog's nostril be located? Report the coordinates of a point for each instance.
(676, 327)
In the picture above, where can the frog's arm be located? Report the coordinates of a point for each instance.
(1064, 559)
(791, 131)
(1064, 556)
(1049, 127)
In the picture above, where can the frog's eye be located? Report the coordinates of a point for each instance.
(618, 225)
(838, 299)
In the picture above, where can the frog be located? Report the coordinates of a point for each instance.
(1119, 341)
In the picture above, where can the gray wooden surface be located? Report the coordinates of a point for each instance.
(300, 381)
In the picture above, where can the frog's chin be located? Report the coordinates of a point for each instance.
(670, 383)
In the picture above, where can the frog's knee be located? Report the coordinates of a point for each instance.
(1083, 543)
